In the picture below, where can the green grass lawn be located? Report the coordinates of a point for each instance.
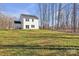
(37, 38)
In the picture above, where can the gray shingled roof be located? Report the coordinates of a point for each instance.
(29, 16)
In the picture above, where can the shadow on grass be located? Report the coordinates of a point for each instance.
(50, 47)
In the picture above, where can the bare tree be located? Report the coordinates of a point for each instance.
(74, 17)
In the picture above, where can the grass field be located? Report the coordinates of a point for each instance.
(37, 42)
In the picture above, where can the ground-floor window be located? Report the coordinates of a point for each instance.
(32, 26)
(27, 26)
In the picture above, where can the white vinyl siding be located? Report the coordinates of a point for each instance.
(33, 23)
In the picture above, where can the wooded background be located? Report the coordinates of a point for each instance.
(6, 22)
(59, 16)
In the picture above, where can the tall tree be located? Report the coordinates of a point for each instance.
(59, 11)
(74, 17)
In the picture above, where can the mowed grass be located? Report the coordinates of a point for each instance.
(41, 38)
(38, 37)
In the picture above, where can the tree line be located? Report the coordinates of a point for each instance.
(59, 16)
(6, 22)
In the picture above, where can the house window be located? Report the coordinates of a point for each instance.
(27, 26)
(32, 20)
(32, 26)
(27, 19)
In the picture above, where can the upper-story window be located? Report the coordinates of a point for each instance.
(32, 20)
(27, 19)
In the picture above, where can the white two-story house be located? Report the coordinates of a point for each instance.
(29, 22)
